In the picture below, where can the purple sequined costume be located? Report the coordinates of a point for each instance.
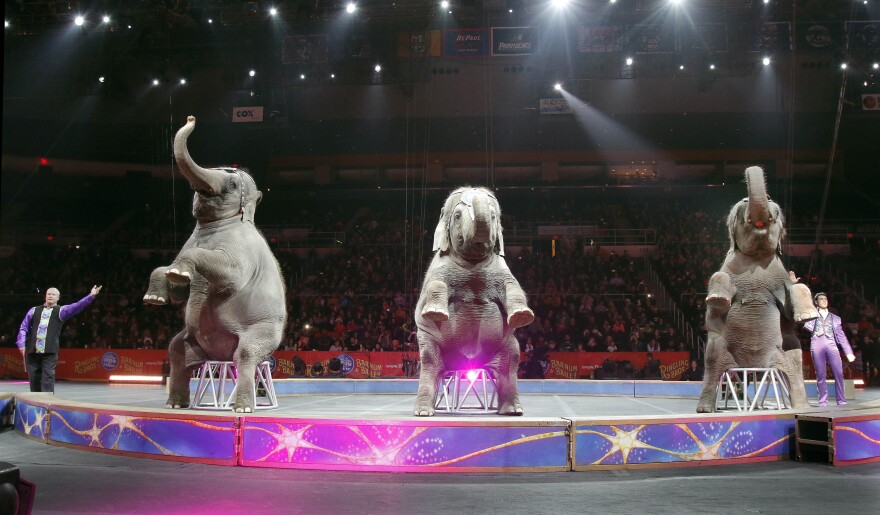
(826, 333)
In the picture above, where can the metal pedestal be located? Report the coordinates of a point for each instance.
(478, 385)
(219, 379)
(749, 389)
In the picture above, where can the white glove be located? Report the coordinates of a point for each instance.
(851, 357)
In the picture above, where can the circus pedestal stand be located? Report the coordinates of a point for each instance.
(466, 390)
(752, 389)
(216, 377)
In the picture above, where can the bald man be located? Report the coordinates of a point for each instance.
(39, 333)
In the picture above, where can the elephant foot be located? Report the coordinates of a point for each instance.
(154, 300)
(718, 301)
(435, 313)
(513, 409)
(177, 401)
(424, 406)
(803, 316)
(177, 277)
(705, 407)
(520, 317)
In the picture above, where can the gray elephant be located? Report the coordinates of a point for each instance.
(753, 303)
(226, 273)
(470, 302)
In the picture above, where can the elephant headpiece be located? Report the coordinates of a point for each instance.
(470, 221)
(755, 224)
(220, 193)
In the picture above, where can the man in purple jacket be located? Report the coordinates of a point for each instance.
(826, 332)
(39, 333)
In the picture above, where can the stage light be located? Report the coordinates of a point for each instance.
(332, 75)
(766, 1)
(629, 61)
(210, 21)
(510, 10)
(101, 79)
(182, 81)
(681, 67)
(155, 82)
(350, 8)
(865, 84)
(559, 4)
(129, 27)
(5, 24)
(135, 379)
(105, 19)
(302, 76)
(378, 68)
(472, 375)
(79, 20)
(613, 1)
(444, 4)
(765, 61)
(711, 66)
(44, 161)
(843, 66)
(675, 2)
(273, 11)
(252, 73)
(557, 86)
(875, 65)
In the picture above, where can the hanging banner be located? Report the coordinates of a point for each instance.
(707, 37)
(304, 49)
(864, 35)
(601, 40)
(767, 37)
(583, 365)
(418, 44)
(466, 43)
(247, 114)
(514, 41)
(554, 106)
(819, 36)
(652, 39)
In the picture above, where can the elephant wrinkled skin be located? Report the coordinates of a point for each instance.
(229, 278)
(753, 302)
(470, 302)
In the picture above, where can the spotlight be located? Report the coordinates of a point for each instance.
(210, 21)
(5, 24)
(766, 1)
(765, 61)
(273, 11)
(79, 20)
(557, 86)
(444, 4)
(711, 66)
(101, 79)
(182, 81)
(129, 27)
(629, 61)
(378, 68)
(350, 7)
(105, 19)
(681, 67)
(510, 11)
(302, 76)
(865, 84)
(843, 66)
(613, 1)
(675, 2)
(875, 65)
(559, 4)
(155, 82)
(252, 73)
(332, 75)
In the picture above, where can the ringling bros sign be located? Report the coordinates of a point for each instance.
(100, 364)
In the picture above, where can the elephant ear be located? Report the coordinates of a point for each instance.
(499, 231)
(441, 235)
(499, 245)
(732, 218)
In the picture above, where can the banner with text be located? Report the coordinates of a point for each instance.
(247, 114)
(466, 43)
(577, 365)
(601, 40)
(418, 44)
(514, 41)
(554, 106)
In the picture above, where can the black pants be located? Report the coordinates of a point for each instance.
(41, 371)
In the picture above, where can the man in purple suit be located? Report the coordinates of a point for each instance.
(39, 334)
(826, 332)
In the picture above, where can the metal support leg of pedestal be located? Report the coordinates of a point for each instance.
(476, 383)
(736, 383)
(218, 375)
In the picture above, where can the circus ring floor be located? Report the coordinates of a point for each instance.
(366, 425)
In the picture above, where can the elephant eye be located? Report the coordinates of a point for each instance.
(232, 184)
(457, 215)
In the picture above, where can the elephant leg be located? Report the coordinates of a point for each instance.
(802, 303)
(505, 382)
(255, 344)
(431, 367)
(721, 290)
(718, 359)
(213, 265)
(791, 364)
(518, 312)
(436, 305)
(157, 293)
(179, 376)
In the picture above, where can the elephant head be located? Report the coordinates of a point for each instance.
(221, 193)
(470, 224)
(755, 224)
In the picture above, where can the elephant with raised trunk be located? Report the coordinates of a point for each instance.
(470, 302)
(228, 277)
(753, 303)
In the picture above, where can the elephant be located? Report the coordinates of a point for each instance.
(470, 302)
(227, 275)
(753, 304)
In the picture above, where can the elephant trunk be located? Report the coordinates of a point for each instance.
(201, 179)
(482, 227)
(759, 202)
